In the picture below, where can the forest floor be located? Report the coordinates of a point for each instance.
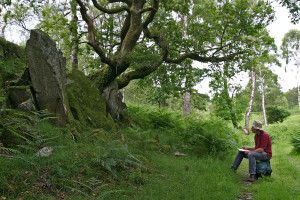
(75, 170)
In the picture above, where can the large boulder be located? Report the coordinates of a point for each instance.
(86, 103)
(20, 96)
(47, 68)
(12, 64)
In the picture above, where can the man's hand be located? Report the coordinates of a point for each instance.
(244, 147)
(246, 152)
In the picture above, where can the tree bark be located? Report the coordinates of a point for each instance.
(74, 36)
(299, 96)
(187, 104)
(248, 112)
(298, 85)
(3, 30)
(123, 95)
(227, 97)
(262, 80)
(187, 96)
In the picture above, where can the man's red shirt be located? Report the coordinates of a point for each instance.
(263, 141)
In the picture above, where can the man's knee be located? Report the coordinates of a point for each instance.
(251, 155)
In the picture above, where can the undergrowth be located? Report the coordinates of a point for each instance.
(191, 135)
(160, 155)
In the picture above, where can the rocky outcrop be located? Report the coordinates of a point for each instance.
(10, 50)
(12, 63)
(19, 95)
(47, 68)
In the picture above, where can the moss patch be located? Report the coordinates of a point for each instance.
(3, 101)
(12, 61)
(10, 50)
(86, 103)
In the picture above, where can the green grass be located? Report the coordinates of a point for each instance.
(138, 163)
(284, 182)
(186, 177)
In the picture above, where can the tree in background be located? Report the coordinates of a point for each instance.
(263, 56)
(294, 9)
(265, 86)
(291, 52)
(17, 14)
(263, 72)
(140, 29)
(292, 98)
(226, 95)
(121, 33)
(272, 91)
(249, 109)
(225, 106)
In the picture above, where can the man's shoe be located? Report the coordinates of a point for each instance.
(252, 178)
(233, 169)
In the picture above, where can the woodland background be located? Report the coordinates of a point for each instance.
(170, 141)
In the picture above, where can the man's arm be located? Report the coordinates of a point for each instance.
(252, 149)
(259, 150)
(248, 148)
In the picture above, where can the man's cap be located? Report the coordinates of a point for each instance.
(257, 125)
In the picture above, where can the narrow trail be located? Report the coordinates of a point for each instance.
(246, 194)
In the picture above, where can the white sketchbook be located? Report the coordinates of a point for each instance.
(242, 149)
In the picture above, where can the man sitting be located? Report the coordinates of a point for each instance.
(261, 151)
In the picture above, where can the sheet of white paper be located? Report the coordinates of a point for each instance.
(242, 149)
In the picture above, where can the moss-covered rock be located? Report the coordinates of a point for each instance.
(19, 94)
(9, 50)
(100, 134)
(12, 61)
(86, 103)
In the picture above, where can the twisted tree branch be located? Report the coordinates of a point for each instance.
(205, 59)
(92, 41)
(139, 73)
(110, 11)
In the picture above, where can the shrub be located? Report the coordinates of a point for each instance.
(192, 135)
(148, 117)
(276, 114)
(211, 136)
(296, 140)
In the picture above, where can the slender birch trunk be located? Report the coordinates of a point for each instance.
(187, 96)
(248, 112)
(298, 85)
(123, 95)
(299, 97)
(262, 80)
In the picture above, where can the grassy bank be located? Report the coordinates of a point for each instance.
(186, 178)
(138, 162)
